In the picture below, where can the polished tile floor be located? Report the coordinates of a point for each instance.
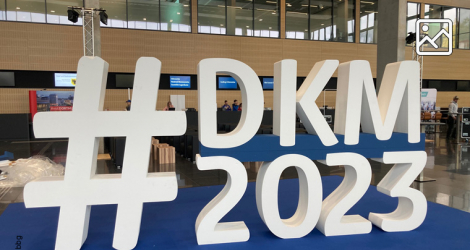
(448, 163)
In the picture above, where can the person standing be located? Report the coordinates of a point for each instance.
(128, 106)
(235, 105)
(452, 118)
(226, 107)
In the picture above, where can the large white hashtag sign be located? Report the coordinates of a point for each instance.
(80, 188)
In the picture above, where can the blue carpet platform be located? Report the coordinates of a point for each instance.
(170, 225)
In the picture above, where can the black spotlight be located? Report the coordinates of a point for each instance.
(73, 15)
(104, 17)
(411, 38)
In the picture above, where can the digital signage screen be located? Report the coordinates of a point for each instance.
(268, 83)
(65, 79)
(227, 82)
(180, 82)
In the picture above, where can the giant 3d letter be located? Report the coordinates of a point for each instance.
(285, 83)
(397, 107)
(80, 188)
(307, 110)
(252, 96)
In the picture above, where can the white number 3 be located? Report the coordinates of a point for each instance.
(412, 205)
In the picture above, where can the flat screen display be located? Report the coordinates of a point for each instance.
(268, 83)
(124, 80)
(227, 82)
(7, 79)
(180, 82)
(65, 79)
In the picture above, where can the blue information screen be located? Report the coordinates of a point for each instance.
(268, 83)
(227, 83)
(180, 82)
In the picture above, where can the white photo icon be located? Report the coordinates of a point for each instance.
(422, 29)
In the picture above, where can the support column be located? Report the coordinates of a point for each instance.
(96, 20)
(392, 35)
(342, 21)
(194, 24)
(232, 18)
(357, 21)
(282, 19)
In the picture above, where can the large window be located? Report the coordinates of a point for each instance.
(324, 20)
(464, 29)
(175, 15)
(143, 14)
(413, 13)
(57, 11)
(2, 10)
(368, 21)
(211, 16)
(117, 13)
(26, 11)
(297, 19)
(438, 11)
(166, 15)
(239, 17)
(266, 18)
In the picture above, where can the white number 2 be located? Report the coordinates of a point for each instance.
(355, 184)
(412, 205)
(208, 228)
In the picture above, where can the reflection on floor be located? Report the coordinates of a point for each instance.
(448, 163)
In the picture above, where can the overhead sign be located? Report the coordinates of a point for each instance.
(391, 134)
(182, 82)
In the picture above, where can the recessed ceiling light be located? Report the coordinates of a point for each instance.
(270, 27)
(186, 5)
(221, 25)
(306, 30)
(53, 11)
(18, 8)
(145, 19)
(248, 26)
(177, 13)
(274, 13)
(261, 20)
(171, 21)
(322, 24)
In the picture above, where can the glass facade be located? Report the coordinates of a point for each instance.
(368, 21)
(133, 14)
(438, 11)
(239, 17)
(211, 16)
(464, 29)
(2, 11)
(26, 11)
(413, 13)
(57, 11)
(175, 15)
(297, 19)
(322, 20)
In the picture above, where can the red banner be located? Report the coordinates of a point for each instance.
(33, 106)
